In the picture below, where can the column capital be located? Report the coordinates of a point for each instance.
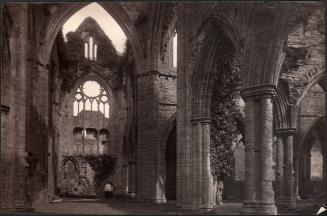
(201, 120)
(286, 131)
(259, 92)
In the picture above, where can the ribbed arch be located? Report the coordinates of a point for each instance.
(281, 106)
(206, 67)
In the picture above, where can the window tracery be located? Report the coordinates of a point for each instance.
(92, 97)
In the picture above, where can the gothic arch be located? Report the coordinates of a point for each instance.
(281, 106)
(311, 135)
(72, 160)
(319, 78)
(169, 126)
(309, 132)
(63, 13)
(222, 22)
(170, 159)
(206, 64)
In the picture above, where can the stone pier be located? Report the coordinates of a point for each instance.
(259, 194)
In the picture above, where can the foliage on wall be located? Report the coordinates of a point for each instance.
(103, 166)
(108, 65)
(224, 112)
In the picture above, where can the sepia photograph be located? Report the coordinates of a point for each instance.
(163, 108)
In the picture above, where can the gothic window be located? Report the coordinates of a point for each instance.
(90, 96)
(104, 136)
(175, 49)
(95, 51)
(90, 48)
(86, 50)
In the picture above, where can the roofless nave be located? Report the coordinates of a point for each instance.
(80, 119)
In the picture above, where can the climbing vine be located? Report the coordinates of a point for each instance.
(224, 112)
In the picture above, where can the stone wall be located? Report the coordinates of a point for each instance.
(97, 121)
(312, 108)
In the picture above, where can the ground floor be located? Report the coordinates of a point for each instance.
(125, 207)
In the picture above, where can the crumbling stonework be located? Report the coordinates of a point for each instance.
(280, 48)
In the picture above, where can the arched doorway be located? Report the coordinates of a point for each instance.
(170, 155)
(108, 190)
(70, 177)
(312, 166)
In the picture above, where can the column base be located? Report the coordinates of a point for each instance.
(184, 205)
(258, 208)
(159, 201)
(297, 197)
(208, 206)
(288, 203)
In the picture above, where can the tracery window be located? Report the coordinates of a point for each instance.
(90, 48)
(91, 96)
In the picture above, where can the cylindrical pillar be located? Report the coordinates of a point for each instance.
(131, 177)
(259, 194)
(280, 167)
(267, 193)
(201, 174)
(250, 169)
(196, 163)
(206, 173)
(289, 171)
(127, 178)
(296, 179)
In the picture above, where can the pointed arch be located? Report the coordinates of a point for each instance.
(63, 13)
(207, 64)
(319, 78)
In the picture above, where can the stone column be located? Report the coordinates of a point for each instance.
(259, 194)
(149, 179)
(131, 179)
(289, 171)
(201, 174)
(296, 178)
(323, 148)
(196, 158)
(206, 172)
(126, 176)
(280, 167)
